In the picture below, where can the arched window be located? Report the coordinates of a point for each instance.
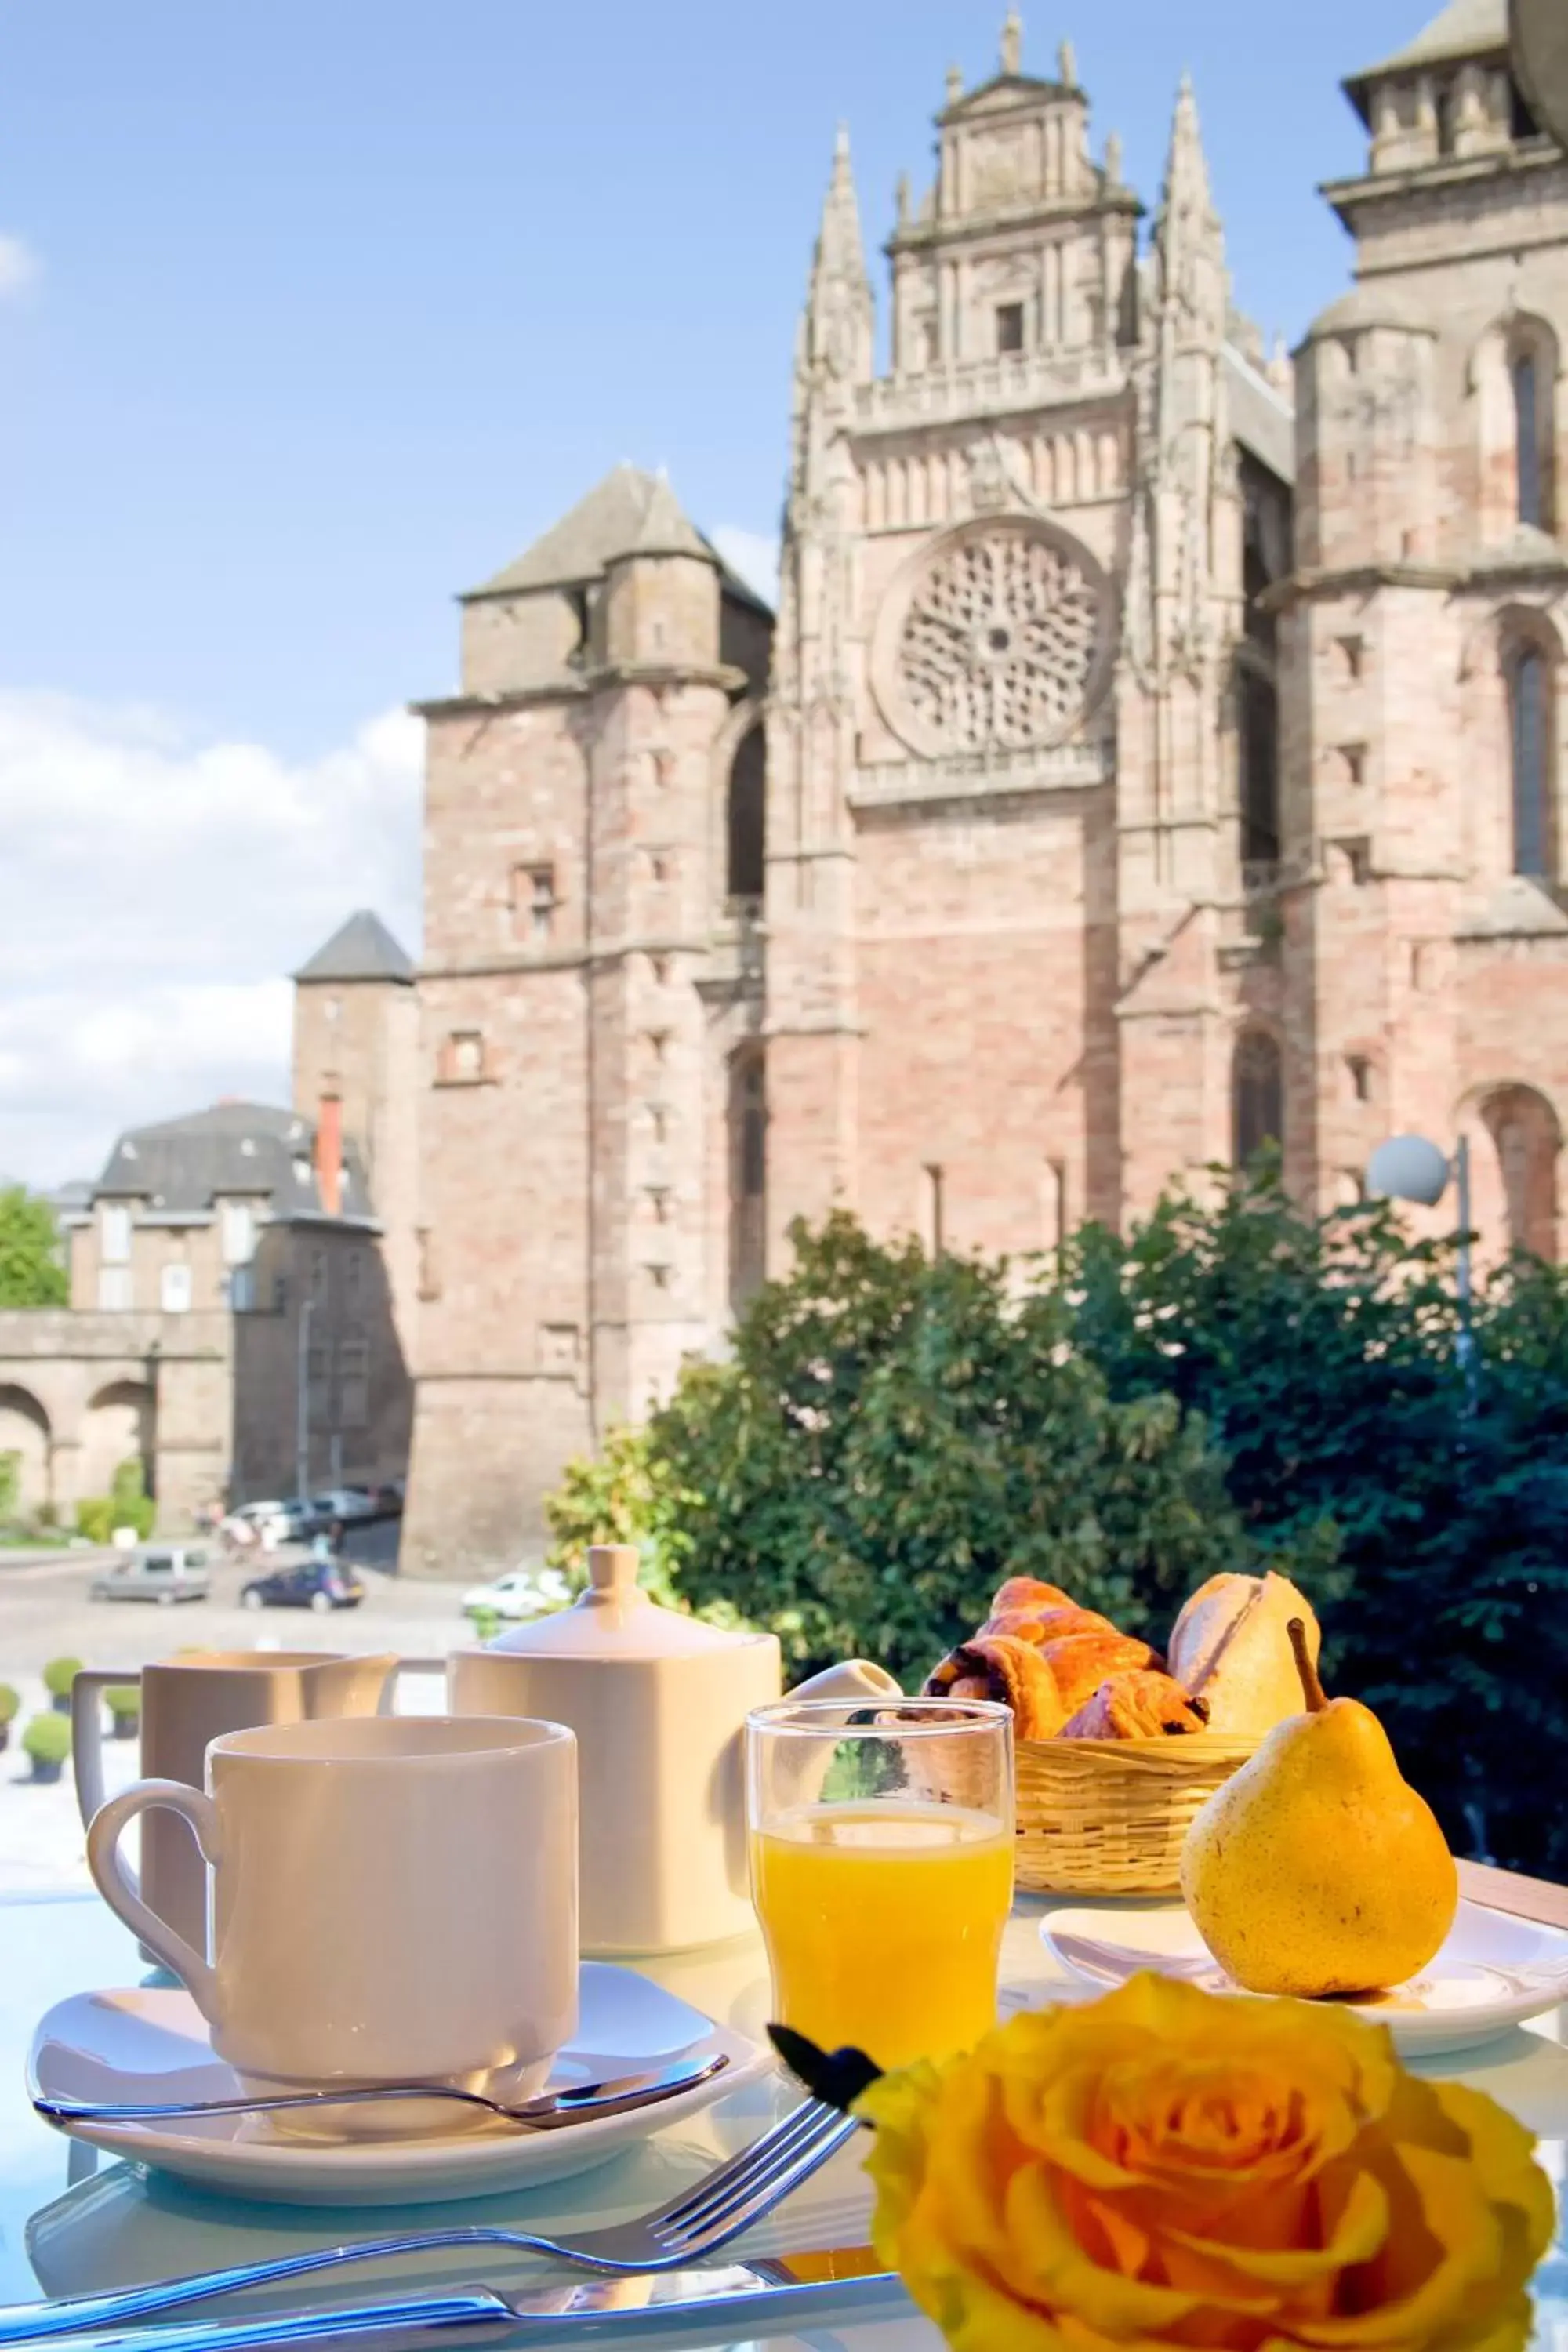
(748, 1177)
(1530, 730)
(1529, 454)
(1524, 1130)
(1259, 719)
(1258, 1096)
(747, 818)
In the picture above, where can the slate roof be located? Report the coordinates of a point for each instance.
(1464, 29)
(181, 1166)
(628, 513)
(362, 948)
(1261, 419)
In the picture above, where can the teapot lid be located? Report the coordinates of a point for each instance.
(614, 1618)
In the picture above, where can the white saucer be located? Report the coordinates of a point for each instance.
(1492, 1973)
(151, 2044)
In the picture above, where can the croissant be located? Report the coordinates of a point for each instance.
(1136, 1705)
(1024, 1595)
(1079, 1663)
(1046, 1625)
(998, 1667)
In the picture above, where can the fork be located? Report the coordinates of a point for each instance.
(697, 2222)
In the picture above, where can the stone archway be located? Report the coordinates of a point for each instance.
(117, 1427)
(24, 1431)
(1527, 1138)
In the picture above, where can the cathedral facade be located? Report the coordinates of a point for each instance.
(1154, 753)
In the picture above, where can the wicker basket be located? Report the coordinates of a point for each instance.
(1109, 1816)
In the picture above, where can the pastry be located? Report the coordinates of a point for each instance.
(1079, 1663)
(1231, 1648)
(1047, 1624)
(1137, 1704)
(1022, 1595)
(1000, 1667)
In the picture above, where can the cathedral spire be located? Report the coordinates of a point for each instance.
(837, 341)
(1188, 239)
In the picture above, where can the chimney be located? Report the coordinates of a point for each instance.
(329, 1155)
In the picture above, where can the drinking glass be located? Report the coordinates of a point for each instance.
(881, 1852)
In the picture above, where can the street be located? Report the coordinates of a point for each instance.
(45, 1613)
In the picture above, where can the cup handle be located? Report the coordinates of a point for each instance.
(87, 1734)
(120, 1890)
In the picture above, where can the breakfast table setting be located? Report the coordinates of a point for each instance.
(1086, 1995)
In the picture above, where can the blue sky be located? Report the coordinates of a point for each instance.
(334, 304)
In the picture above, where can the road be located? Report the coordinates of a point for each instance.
(45, 1613)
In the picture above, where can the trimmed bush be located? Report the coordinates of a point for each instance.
(57, 1678)
(47, 1742)
(124, 1701)
(10, 1704)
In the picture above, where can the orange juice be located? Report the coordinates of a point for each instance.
(884, 1924)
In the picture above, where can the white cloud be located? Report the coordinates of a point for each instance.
(154, 893)
(754, 554)
(20, 266)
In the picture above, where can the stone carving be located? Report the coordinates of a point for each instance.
(999, 642)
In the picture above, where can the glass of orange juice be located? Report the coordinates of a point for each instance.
(881, 1849)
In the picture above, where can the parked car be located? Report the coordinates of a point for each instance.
(295, 1521)
(321, 1585)
(165, 1577)
(523, 1593)
(387, 1500)
(347, 1503)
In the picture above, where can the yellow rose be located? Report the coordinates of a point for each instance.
(1169, 2168)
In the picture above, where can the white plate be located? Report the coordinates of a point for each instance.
(1492, 1974)
(151, 2044)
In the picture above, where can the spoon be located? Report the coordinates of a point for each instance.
(582, 2102)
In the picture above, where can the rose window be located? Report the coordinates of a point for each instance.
(997, 643)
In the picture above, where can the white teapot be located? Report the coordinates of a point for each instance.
(658, 1701)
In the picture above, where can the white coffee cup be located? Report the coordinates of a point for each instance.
(393, 1899)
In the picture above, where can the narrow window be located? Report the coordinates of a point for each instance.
(1360, 1070)
(748, 1179)
(1527, 441)
(114, 1234)
(114, 1289)
(1258, 1096)
(463, 1062)
(1009, 327)
(1259, 771)
(1528, 698)
(933, 1181)
(533, 902)
(175, 1290)
(747, 820)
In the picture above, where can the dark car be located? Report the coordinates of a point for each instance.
(318, 1584)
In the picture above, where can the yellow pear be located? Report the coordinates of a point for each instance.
(1317, 1869)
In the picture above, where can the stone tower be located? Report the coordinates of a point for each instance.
(592, 795)
(1008, 938)
(1427, 944)
(356, 1079)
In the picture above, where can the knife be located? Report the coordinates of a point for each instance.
(774, 2298)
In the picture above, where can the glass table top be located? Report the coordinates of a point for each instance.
(72, 2222)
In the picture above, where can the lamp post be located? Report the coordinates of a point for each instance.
(302, 1402)
(1538, 40)
(1409, 1168)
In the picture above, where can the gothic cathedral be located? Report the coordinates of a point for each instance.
(1153, 756)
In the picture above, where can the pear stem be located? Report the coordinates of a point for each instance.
(1313, 1690)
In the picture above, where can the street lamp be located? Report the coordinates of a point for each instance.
(1409, 1168)
(303, 1399)
(1538, 39)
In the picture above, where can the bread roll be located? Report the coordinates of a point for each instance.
(1137, 1704)
(1230, 1647)
(1013, 1672)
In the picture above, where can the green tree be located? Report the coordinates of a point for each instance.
(31, 1273)
(894, 1435)
(1324, 1355)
